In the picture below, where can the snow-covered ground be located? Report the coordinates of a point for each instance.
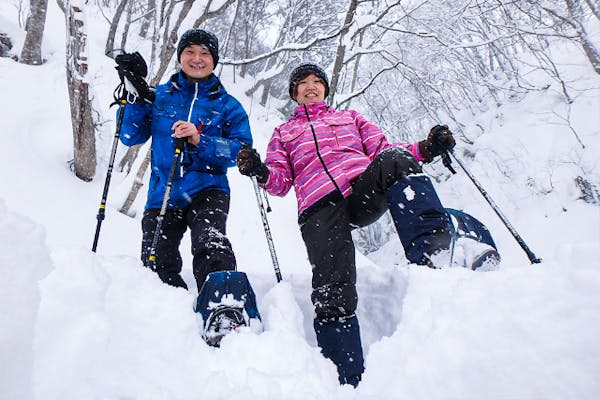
(80, 325)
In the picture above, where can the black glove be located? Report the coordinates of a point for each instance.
(132, 70)
(249, 164)
(438, 141)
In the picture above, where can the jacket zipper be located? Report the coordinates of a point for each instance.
(189, 119)
(312, 128)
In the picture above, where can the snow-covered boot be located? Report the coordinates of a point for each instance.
(473, 246)
(466, 253)
(420, 219)
(339, 339)
(475, 255)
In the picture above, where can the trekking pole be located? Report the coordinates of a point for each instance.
(265, 222)
(179, 143)
(447, 163)
(101, 210)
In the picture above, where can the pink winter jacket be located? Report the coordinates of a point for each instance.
(347, 143)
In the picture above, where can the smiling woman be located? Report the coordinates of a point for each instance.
(346, 175)
(306, 83)
(310, 90)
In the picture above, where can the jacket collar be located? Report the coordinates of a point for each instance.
(211, 86)
(314, 110)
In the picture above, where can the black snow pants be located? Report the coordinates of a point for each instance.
(326, 228)
(392, 181)
(206, 216)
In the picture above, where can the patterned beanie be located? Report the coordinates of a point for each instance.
(304, 70)
(199, 37)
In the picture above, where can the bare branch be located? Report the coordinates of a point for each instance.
(288, 47)
(365, 87)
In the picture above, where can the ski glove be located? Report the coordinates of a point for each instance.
(438, 141)
(132, 70)
(249, 164)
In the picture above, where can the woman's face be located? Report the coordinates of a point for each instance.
(310, 90)
(197, 62)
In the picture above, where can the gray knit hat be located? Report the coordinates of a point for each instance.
(199, 37)
(304, 70)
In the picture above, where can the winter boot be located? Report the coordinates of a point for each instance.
(339, 339)
(420, 219)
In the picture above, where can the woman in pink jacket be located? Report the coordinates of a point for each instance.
(346, 175)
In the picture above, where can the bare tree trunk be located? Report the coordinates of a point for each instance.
(170, 41)
(356, 65)
(341, 50)
(592, 53)
(127, 25)
(137, 184)
(32, 48)
(61, 5)
(156, 36)
(127, 161)
(84, 143)
(5, 44)
(110, 40)
(147, 19)
(594, 6)
(224, 47)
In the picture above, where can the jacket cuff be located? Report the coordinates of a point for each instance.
(425, 154)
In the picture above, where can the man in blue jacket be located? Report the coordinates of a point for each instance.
(195, 108)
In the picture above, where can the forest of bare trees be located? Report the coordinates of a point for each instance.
(404, 63)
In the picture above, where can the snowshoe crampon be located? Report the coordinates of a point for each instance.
(221, 322)
(487, 261)
(226, 302)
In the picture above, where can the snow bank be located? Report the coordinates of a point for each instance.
(24, 261)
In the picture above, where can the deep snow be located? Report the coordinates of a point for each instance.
(79, 325)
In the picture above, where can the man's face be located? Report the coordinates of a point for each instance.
(310, 90)
(196, 62)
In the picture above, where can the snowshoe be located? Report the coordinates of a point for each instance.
(226, 302)
(472, 245)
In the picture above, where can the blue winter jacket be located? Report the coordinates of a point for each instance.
(224, 128)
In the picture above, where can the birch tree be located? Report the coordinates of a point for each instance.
(84, 143)
(32, 47)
